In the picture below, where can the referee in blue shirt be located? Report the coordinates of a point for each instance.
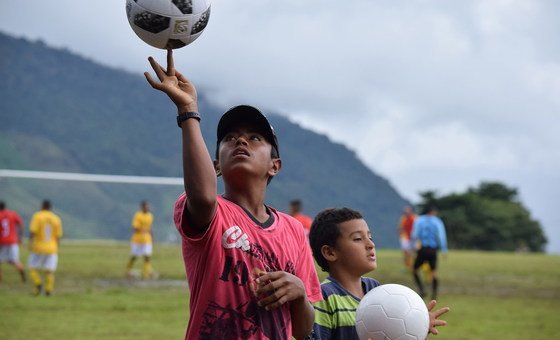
(429, 230)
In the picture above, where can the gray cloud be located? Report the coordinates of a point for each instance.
(432, 95)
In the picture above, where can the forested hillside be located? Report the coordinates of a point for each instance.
(488, 217)
(63, 112)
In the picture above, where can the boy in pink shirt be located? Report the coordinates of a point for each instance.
(250, 271)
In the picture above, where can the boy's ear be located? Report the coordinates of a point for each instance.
(217, 168)
(275, 168)
(329, 253)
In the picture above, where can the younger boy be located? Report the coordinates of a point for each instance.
(342, 246)
(249, 268)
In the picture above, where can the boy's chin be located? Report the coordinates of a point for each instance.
(373, 266)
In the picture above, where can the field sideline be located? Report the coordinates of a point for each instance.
(492, 295)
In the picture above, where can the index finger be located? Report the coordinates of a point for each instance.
(441, 311)
(170, 63)
(431, 305)
(157, 68)
(268, 276)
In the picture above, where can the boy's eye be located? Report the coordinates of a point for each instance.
(255, 137)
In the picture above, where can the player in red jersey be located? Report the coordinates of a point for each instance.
(11, 233)
(405, 230)
(297, 213)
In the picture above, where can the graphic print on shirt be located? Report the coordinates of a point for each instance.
(5, 223)
(246, 319)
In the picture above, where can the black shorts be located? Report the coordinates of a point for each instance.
(426, 254)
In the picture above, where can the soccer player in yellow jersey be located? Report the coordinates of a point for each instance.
(45, 233)
(141, 241)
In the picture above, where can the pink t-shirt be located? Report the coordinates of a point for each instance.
(221, 264)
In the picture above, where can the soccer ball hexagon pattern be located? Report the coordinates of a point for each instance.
(392, 311)
(168, 23)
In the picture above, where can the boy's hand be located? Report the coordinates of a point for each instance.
(434, 321)
(181, 91)
(278, 288)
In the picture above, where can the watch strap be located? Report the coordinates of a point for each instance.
(181, 117)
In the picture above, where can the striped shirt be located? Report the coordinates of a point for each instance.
(335, 315)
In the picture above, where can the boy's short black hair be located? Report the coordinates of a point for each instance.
(325, 231)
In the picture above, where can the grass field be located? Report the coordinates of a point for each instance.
(492, 295)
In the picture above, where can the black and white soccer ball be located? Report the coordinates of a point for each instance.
(391, 312)
(168, 23)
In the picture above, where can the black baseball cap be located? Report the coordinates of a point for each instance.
(245, 115)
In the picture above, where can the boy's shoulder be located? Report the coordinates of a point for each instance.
(370, 283)
(330, 286)
(287, 218)
(280, 221)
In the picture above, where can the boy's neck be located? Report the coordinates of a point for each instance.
(252, 202)
(350, 282)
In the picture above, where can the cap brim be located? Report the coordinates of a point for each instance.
(246, 115)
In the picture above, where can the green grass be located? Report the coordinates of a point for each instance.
(491, 295)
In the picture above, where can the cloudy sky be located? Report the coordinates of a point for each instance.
(432, 95)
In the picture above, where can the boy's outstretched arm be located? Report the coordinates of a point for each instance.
(434, 321)
(198, 170)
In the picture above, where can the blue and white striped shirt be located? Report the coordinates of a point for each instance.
(335, 315)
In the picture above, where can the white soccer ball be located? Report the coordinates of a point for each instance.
(168, 23)
(392, 311)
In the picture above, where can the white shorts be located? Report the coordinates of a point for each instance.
(45, 262)
(141, 249)
(406, 244)
(9, 253)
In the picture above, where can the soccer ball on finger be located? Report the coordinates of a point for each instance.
(168, 23)
(392, 311)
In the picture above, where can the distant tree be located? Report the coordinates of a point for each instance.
(497, 191)
(428, 199)
(489, 217)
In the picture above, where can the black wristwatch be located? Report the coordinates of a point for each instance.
(186, 115)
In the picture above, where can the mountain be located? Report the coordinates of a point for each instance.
(63, 112)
